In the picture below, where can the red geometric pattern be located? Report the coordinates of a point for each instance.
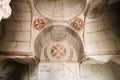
(39, 23)
(58, 51)
(78, 24)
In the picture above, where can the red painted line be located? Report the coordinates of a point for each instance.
(102, 53)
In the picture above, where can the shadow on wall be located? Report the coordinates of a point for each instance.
(11, 70)
(115, 69)
(115, 10)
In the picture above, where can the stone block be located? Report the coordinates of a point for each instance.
(8, 36)
(20, 6)
(111, 34)
(17, 26)
(25, 26)
(107, 46)
(97, 26)
(92, 47)
(11, 26)
(22, 46)
(14, 46)
(91, 37)
(91, 27)
(22, 36)
(88, 39)
(8, 46)
(91, 20)
(22, 16)
(102, 36)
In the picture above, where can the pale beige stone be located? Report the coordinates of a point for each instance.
(92, 48)
(22, 36)
(20, 6)
(107, 46)
(92, 27)
(22, 16)
(91, 37)
(87, 38)
(17, 26)
(96, 72)
(14, 46)
(22, 46)
(25, 26)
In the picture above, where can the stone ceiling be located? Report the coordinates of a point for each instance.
(88, 24)
(60, 9)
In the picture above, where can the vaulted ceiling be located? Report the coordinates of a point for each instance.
(91, 27)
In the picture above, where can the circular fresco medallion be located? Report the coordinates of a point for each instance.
(58, 51)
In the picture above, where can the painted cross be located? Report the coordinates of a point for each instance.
(39, 23)
(58, 51)
(78, 24)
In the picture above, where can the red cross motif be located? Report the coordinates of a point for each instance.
(58, 51)
(39, 23)
(78, 24)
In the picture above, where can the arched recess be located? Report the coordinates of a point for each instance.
(58, 43)
(60, 9)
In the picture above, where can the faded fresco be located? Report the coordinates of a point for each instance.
(59, 39)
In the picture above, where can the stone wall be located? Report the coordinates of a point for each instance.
(17, 28)
(102, 31)
(49, 71)
(97, 72)
(100, 38)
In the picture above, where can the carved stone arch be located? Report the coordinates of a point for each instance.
(52, 41)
